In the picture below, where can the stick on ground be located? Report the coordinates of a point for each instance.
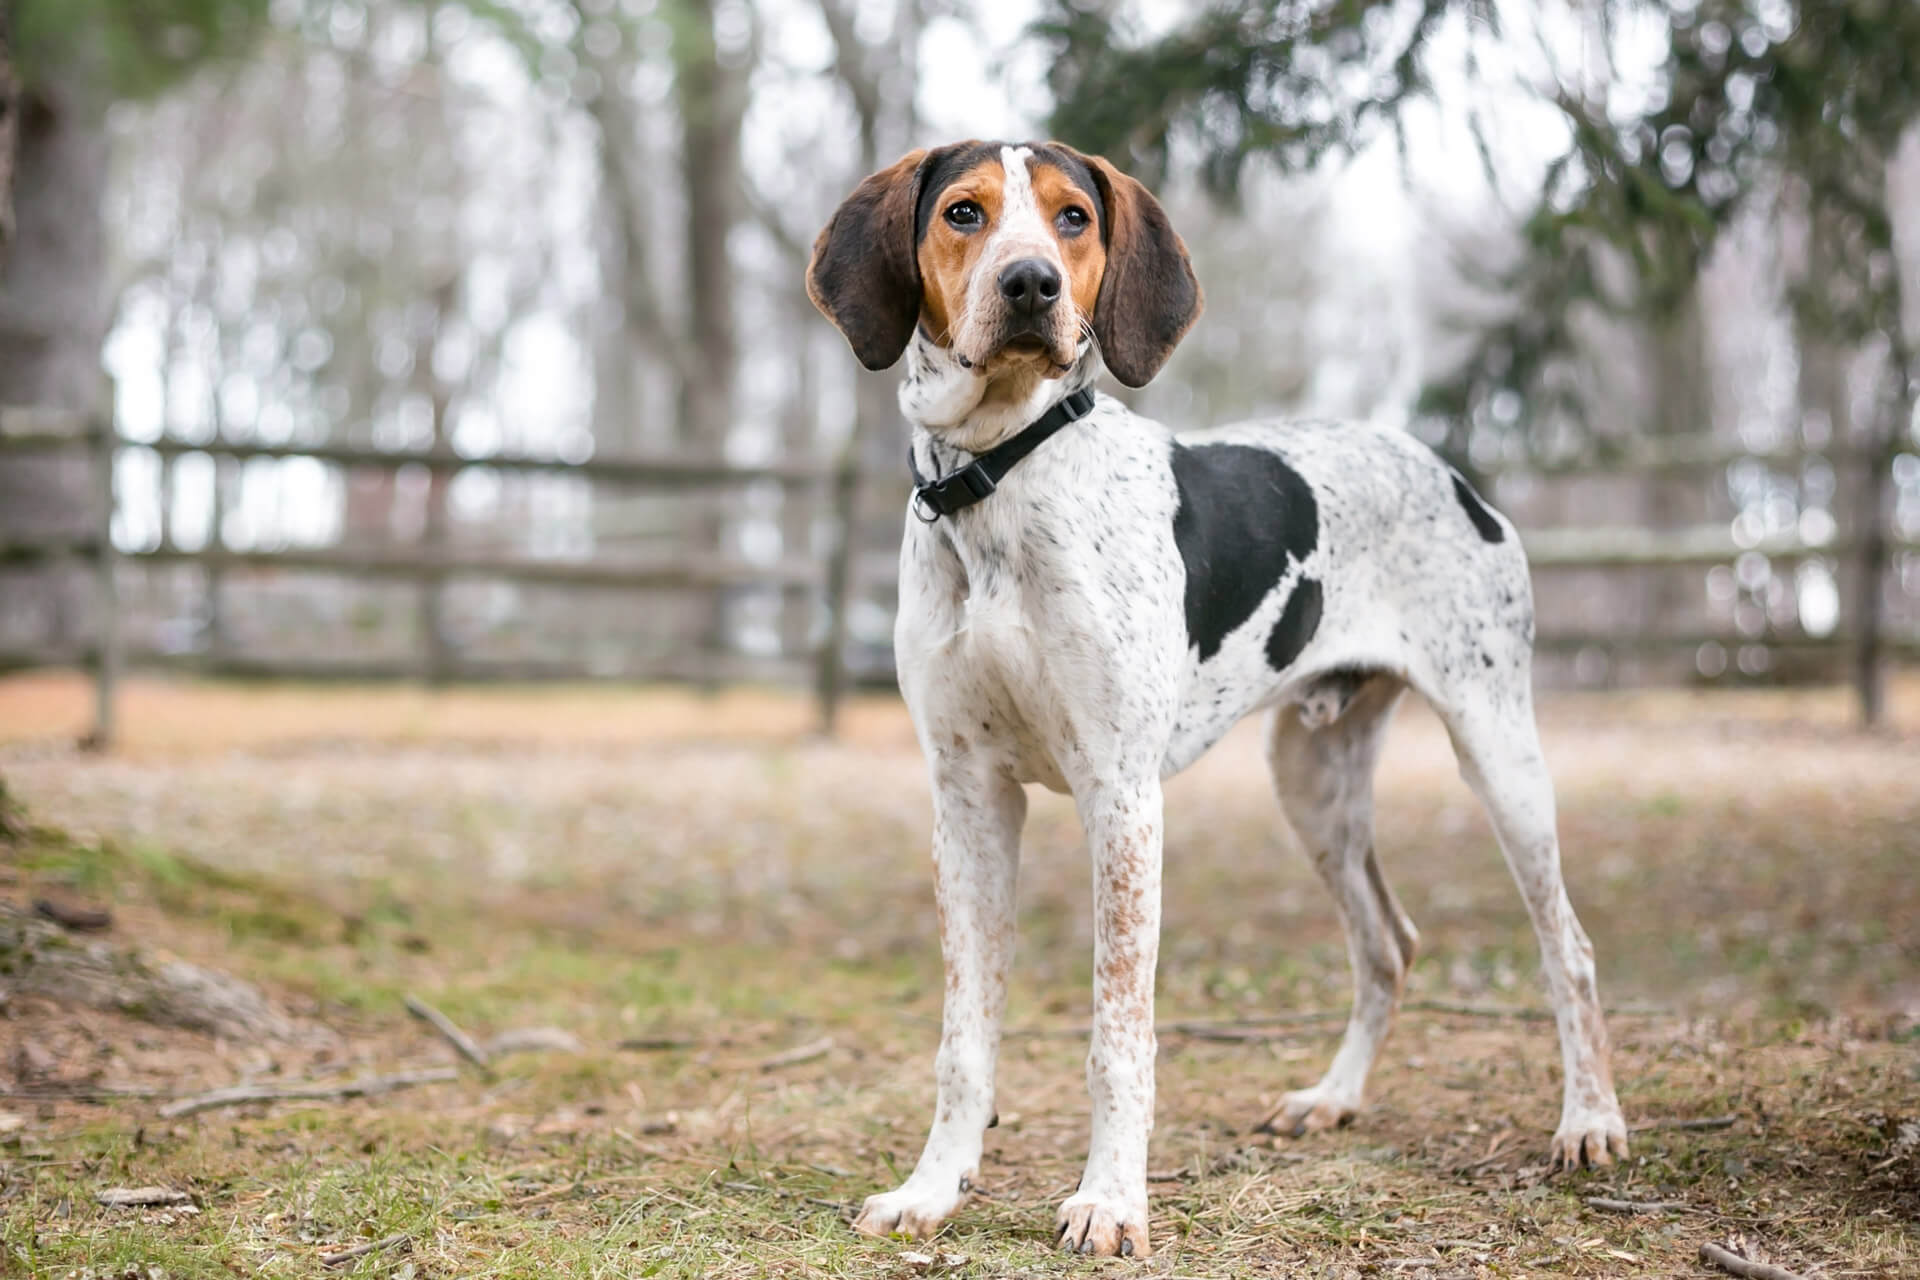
(1636, 1206)
(1683, 1123)
(365, 1087)
(140, 1197)
(1734, 1264)
(534, 1040)
(462, 1043)
(345, 1256)
(658, 1044)
(794, 1057)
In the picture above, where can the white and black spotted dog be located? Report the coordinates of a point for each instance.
(1096, 617)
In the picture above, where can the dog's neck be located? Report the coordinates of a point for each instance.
(957, 414)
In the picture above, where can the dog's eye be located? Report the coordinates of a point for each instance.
(965, 214)
(1072, 220)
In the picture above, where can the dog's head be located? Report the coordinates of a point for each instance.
(1011, 257)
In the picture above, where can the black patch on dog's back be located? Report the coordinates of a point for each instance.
(1243, 516)
(1477, 512)
(1297, 623)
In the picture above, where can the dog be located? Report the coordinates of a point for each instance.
(1089, 601)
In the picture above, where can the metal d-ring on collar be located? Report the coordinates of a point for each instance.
(958, 490)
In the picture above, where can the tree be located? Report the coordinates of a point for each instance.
(74, 59)
(9, 127)
(1792, 109)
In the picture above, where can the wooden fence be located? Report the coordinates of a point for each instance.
(832, 581)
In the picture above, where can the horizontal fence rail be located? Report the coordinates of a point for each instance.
(1600, 547)
(664, 470)
(831, 579)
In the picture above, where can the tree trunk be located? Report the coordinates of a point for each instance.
(52, 321)
(712, 99)
(53, 304)
(1681, 407)
(9, 127)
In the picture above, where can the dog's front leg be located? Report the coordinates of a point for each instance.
(977, 814)
(1108, 1215)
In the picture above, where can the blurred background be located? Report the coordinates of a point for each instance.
(464, 341)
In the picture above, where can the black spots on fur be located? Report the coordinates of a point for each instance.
(1244, 517)
(1477, 512)
(1298, 621)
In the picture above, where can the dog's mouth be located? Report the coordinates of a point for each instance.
(1031, 347)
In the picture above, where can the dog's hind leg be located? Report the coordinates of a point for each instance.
(1322, 753)
(1498, 745)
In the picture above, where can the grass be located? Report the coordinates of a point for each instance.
(725, 886)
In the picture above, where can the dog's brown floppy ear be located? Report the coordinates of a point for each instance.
(1149, 297)
(864, 275)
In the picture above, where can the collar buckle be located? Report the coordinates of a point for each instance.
(953, 492)
(958, 490)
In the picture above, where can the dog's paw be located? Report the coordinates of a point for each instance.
(1307, 1111)
(912, 1210)
(1103, 1226)
(1590, 1136)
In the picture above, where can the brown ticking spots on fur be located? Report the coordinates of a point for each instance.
(1125, 969)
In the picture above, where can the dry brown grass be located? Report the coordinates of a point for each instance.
(656, 863)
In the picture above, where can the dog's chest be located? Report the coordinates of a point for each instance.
(983, 659)
(1046, 624)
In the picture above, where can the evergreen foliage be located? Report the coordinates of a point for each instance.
(1801, 103)
(132, 48)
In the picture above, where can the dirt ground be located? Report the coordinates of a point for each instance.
(734, 921)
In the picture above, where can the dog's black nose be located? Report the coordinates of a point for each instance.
(1030, 286)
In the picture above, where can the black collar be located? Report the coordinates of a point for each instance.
(958, 490)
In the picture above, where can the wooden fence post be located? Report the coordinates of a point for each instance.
(833, 673)
(107, 643)
(1869, 676)
(436, 655)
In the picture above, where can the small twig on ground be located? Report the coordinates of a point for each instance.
(1299, 1017)
(1705, 1122)
(1517, 1012)
(58, 1092)
(365, 1087)
(1734, 1264)
(1521, 1013)
(1228, 1033)
(534, 1040)
(795, 1056)
(654, 1044)
(140, 1197)
(654, 1128)
(462, 1042)
(345, 1256)
(1636, 1206)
